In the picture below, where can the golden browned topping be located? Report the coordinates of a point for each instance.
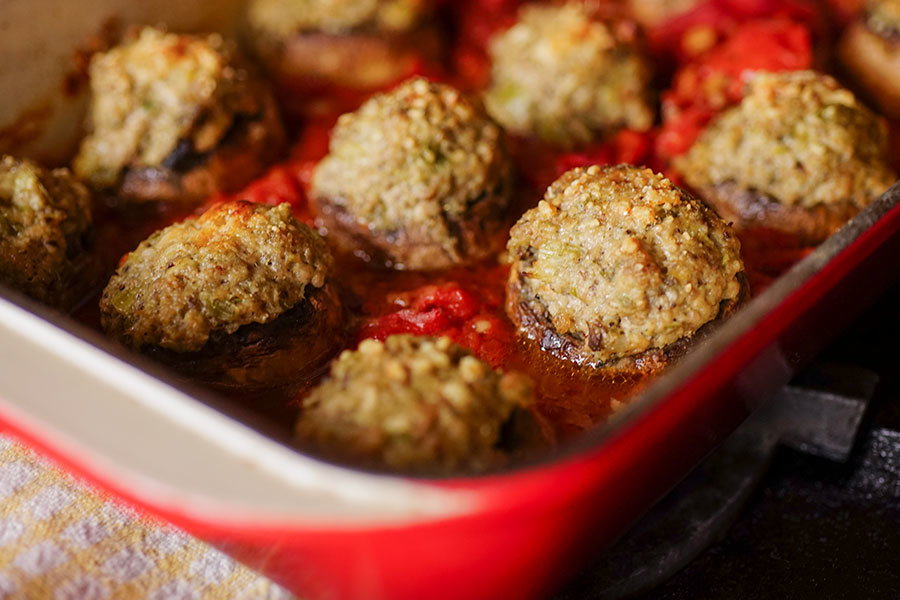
(621, 260)
(236, 264)
(43, 217)
(883, 17)
(155, 91)
(285, 17)
(798, 138)
(412, 404)
(565, 76)
(416, 160)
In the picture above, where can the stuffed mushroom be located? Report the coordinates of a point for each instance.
(413, 404)
(870, 49)
(799, 154)
(651, 13)
(175, 118)
(350, 43)
(45, 232)
(240, 298)
(417, 178)
(619, 269)
(564, 75)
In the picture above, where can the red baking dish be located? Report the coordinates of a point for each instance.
(325, 531)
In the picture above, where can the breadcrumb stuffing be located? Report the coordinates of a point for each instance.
(413, 163)
(620, 260)
(798, 138)
(236, 264)
(43, 216)
(443, 414)
(285, 17)
(565, 76)
(154, 91)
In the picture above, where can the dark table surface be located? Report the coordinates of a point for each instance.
(815, 528)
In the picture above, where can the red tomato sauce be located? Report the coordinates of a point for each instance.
(466, 304)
